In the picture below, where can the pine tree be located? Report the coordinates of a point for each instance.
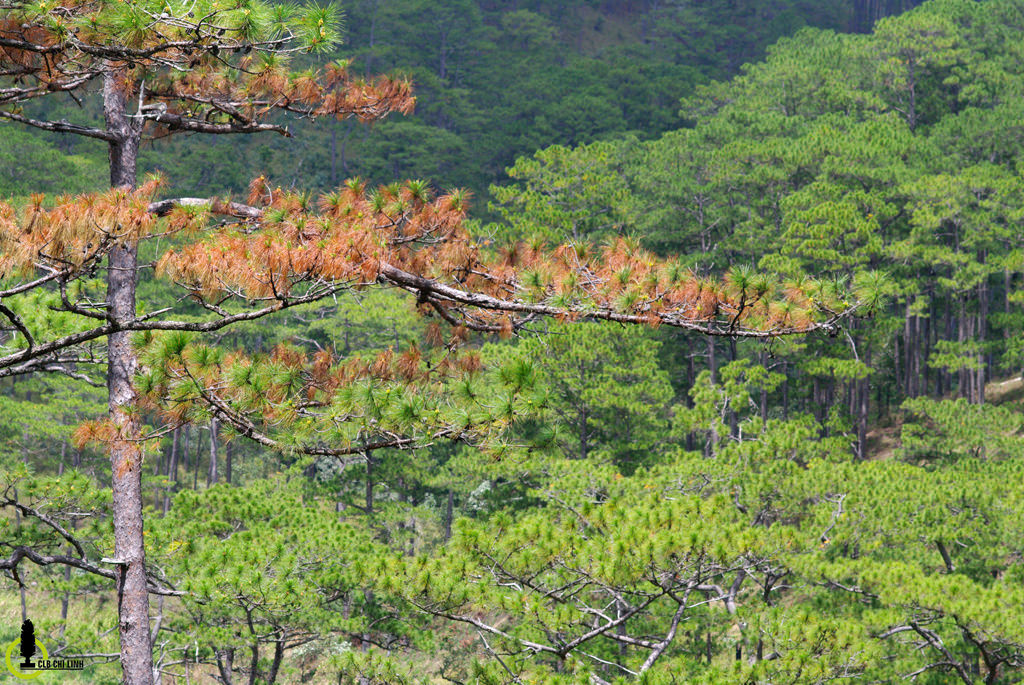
(218, 68)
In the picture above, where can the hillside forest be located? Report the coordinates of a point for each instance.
(503, 341)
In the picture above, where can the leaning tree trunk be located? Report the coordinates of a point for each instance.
(126, 453)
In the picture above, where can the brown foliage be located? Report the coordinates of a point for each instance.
(398, 234)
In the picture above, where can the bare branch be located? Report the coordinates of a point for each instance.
(22, 552)
(17, 323)
(61, 126)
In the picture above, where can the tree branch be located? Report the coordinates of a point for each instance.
(61, 126)
(22, 552)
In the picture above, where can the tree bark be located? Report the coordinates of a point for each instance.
(122, 363)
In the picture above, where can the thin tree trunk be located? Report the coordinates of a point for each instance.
(734, 429)
(711, 444)
(785, 391)
(21, 583)
(929, 333)
(691, 376)
(157, 677)
(830, 400)
(122, 362)
(195, 471)
(1007, 307)
(962, 372)
(916, 349)
(908, 345)
(818, 405)
(254, 661)
(275, 665)
(186, 464)
(211, 478)
(65, 601)
(369, 483)
(227, 462)
(225, 662)
(448, 515)
(983, 296)
(864, 406)
(158, 464)
(896, 363)
(947, 375)
(711, 359)
(172, 468)
(764, 392)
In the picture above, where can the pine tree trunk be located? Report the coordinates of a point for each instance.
(172, 468)
(982, 362)
(449, 514)
(917, 351)
(863, 407)
(158, 464)
(211, 478)
(275, 665)
(816, 400)
(691, 378)
(950, 325)
(830, 401)
(195, 472)
(369, 484)
(1007, 291)
(185, 463)
(227, 462)
(963, 376)
(711, 359)
(764, 391)
(225, 664)
(927, 343)
(65, 601)
(896, 363)
(908, 350)
(122, 362)
(734, 430)
(785, 391)
(972, 374)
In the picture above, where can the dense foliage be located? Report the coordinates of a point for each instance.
(495, 80)
(475, 485)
